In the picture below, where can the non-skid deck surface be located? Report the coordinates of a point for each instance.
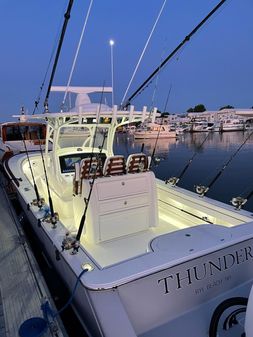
(20, 297)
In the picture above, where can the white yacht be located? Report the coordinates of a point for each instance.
(151, 259)
(232, 124)
(154, 130)
(201, 126)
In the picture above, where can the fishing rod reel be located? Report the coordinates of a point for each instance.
(201, 190)
(172, 181)
(38, 202)
(157, 161)
(51, 219)
(238, 202)
(70, 242)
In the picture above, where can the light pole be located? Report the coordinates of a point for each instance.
(111, 42)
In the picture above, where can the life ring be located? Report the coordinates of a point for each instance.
(231, 318)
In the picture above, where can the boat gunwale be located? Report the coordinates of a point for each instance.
(146, 264)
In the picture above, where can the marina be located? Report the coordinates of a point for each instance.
(140, 220)
(137, 219)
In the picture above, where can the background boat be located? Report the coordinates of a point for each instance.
(19, 136)
(153, 130)
(234, 124)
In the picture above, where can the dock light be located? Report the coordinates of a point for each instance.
(111, 42)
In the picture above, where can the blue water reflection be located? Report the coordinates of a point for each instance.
(217, 151)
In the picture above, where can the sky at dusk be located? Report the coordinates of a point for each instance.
(215, 68)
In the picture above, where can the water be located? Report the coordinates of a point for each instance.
(218, 150)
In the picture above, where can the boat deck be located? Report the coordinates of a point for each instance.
(22, 286)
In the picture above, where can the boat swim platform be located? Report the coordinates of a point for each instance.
(22, 286)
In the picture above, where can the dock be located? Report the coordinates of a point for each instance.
(22, 286)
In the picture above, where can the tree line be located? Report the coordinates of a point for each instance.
(202, 108)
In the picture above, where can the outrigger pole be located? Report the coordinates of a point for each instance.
(64, 27)
(186, 39)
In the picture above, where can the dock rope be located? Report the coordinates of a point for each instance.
(48, 312)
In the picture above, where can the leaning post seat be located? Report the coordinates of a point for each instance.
(120, 204)
(137, 162)
(88, 168)
(114, 165)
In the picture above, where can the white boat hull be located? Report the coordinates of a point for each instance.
(179, 293)
(168, 300)
(157, 258)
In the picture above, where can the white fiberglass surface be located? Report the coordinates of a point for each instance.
(176, 210)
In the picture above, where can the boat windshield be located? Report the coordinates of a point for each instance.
(26, 132)
(73, 136)
(82, 136)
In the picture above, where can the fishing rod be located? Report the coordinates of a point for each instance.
(154, 159)
(54, 217)
(39, 201)
(201, 189)
(186, 39)
(64, 27)
(83, 219)
(158, 134)
(37, 101)
(174, 180)
(98, 117)
(70, 242)
(87, 200)
(240, 201)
